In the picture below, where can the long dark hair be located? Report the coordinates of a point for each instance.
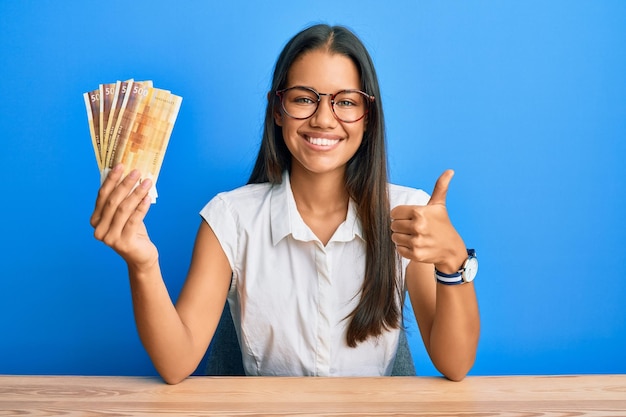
(380, 305)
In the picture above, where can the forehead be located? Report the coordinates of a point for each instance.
(324, 71)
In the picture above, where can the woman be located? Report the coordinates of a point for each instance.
(315, 253)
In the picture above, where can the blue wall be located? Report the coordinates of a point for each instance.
(525, 100)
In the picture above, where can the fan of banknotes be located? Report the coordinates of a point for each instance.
(131, 122)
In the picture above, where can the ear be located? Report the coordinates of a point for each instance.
(278, 115)
(278, 118)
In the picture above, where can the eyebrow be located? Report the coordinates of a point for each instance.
(321, 93)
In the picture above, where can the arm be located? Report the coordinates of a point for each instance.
(447, 315)
(175, 337)
(448, 319)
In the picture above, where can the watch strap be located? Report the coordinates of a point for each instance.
(449, 279)
(457, 277)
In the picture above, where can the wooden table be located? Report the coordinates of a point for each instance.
(591, 395)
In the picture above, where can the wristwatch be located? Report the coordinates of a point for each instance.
(467, 273)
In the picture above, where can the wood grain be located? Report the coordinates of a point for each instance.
(518, 396)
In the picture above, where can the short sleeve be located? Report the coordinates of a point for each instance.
(219, 215)
(401, 196)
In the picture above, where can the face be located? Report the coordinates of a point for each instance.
(321, 143)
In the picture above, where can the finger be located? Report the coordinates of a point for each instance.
(137, 217)
(441, 188)
(114, 198)
(403, 213)
(406, 227)
(406, 252)
(121, 222)
(108, 185)
(409, 247)
(401, 239)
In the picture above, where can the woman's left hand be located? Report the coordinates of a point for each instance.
(426, 234)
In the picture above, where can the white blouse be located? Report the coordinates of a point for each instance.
(290, 294)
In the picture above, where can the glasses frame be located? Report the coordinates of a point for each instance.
(369, 100)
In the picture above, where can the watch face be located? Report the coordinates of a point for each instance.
(470, 270)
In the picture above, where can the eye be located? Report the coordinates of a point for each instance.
(345, 103)
(304, 100)
(301, 97)
(348, 99)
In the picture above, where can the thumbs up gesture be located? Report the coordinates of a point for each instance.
(426, 234)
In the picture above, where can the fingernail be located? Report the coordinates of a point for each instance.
(118, 167)
(145, 184)
(134, 174)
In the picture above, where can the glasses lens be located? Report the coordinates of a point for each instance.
(299, 102)
(350, 106)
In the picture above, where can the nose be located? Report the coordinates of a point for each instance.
(324, 116)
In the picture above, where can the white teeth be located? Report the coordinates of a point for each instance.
(322, 141)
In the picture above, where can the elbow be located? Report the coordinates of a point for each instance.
(174, 372)
(172, 381)
(454, 367)
(456, 372)
(173, 377)
(455, 376)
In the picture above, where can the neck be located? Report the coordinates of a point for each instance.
(319, 193)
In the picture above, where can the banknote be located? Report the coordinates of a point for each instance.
(118, 100)
(165, 128)
(107, 94)
(146, 143)
(92, 103)
(132, 126)
(134, 97)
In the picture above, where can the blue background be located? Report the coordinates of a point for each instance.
(525, 100)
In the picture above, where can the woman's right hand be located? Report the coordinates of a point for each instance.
(118, 218)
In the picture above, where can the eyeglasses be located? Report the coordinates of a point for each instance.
(300, 103)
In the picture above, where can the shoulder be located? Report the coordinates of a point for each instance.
(247, 194)
(400, 195)
(247, 197)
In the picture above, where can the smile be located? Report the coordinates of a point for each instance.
(322, 141)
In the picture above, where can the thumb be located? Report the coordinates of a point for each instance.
(441, 188)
